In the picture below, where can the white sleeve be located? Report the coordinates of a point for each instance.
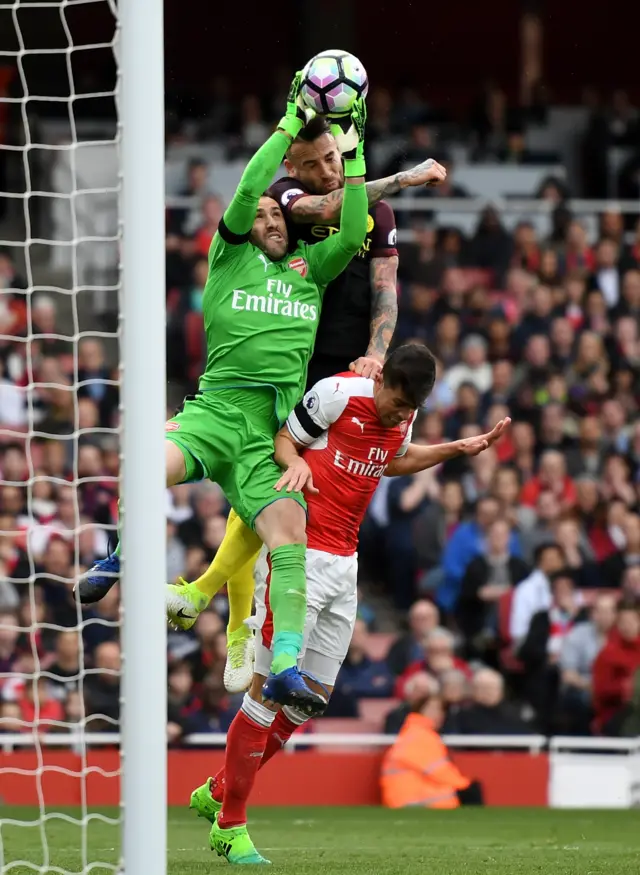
(404, 446)
(320, 408)
(521, 611)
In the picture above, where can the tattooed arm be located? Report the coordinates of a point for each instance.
(326, 208)
(384, 305)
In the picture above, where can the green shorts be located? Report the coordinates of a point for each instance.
(226, 435)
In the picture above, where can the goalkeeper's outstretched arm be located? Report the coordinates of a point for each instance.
(330, 257)
(240, 214)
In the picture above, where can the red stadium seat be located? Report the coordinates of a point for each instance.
(341, 725)
(375, 710)
(378, 644)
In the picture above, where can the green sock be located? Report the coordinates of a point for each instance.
(288, 599)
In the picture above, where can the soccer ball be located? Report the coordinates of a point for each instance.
(332, 81)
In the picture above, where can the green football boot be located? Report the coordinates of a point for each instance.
(203, 802)
(184, 604)
(235, 846)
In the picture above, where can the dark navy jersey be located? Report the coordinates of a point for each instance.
(345, 320)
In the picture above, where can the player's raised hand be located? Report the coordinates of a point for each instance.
(366, 366)
(298, 113)
(297, 478)
(473, 446)
(429, 172)
(349, 129)
(349, 133)
(359, 117)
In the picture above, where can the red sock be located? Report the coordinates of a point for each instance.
(281, 731)
(216, 785)
(246, 741)
(279, 734)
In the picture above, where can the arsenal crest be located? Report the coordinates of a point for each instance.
(299, 265)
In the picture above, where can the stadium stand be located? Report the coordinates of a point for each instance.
(528, 294)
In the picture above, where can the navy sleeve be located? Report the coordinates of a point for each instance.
(384, 234)
(286, 192)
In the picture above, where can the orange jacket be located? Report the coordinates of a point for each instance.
(417, 771)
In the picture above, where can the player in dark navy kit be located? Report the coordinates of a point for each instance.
(360, 307)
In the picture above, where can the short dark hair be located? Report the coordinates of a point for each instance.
(317, 127)
(412, 369)
(563, 574)
(541, 549)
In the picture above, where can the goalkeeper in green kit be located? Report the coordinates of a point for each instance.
(261, 307)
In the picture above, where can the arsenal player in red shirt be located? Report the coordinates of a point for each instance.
(337, 443)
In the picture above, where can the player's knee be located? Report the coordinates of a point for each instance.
(283, 522)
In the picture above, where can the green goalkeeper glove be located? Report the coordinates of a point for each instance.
(297, 114)
(349, 134)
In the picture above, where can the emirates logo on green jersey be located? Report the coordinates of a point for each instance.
(275, 306)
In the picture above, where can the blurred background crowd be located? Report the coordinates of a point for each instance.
(513, 577)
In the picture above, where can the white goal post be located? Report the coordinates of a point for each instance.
(141, 92)
(48, 130)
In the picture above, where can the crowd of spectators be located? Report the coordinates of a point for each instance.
(530, 551)
(518, 570)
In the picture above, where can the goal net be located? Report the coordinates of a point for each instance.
(80, 738)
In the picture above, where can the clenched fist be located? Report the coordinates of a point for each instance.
(427, 173)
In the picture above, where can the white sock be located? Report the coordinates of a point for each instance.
(257, 711)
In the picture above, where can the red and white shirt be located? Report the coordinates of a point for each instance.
(348, 450)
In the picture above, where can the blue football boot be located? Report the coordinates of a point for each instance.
(98, 580)
(288, 687)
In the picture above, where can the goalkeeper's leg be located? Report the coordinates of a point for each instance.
(99, 579)
(185, 601)
(281, 525)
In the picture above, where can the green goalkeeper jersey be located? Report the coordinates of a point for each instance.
(261, 316)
